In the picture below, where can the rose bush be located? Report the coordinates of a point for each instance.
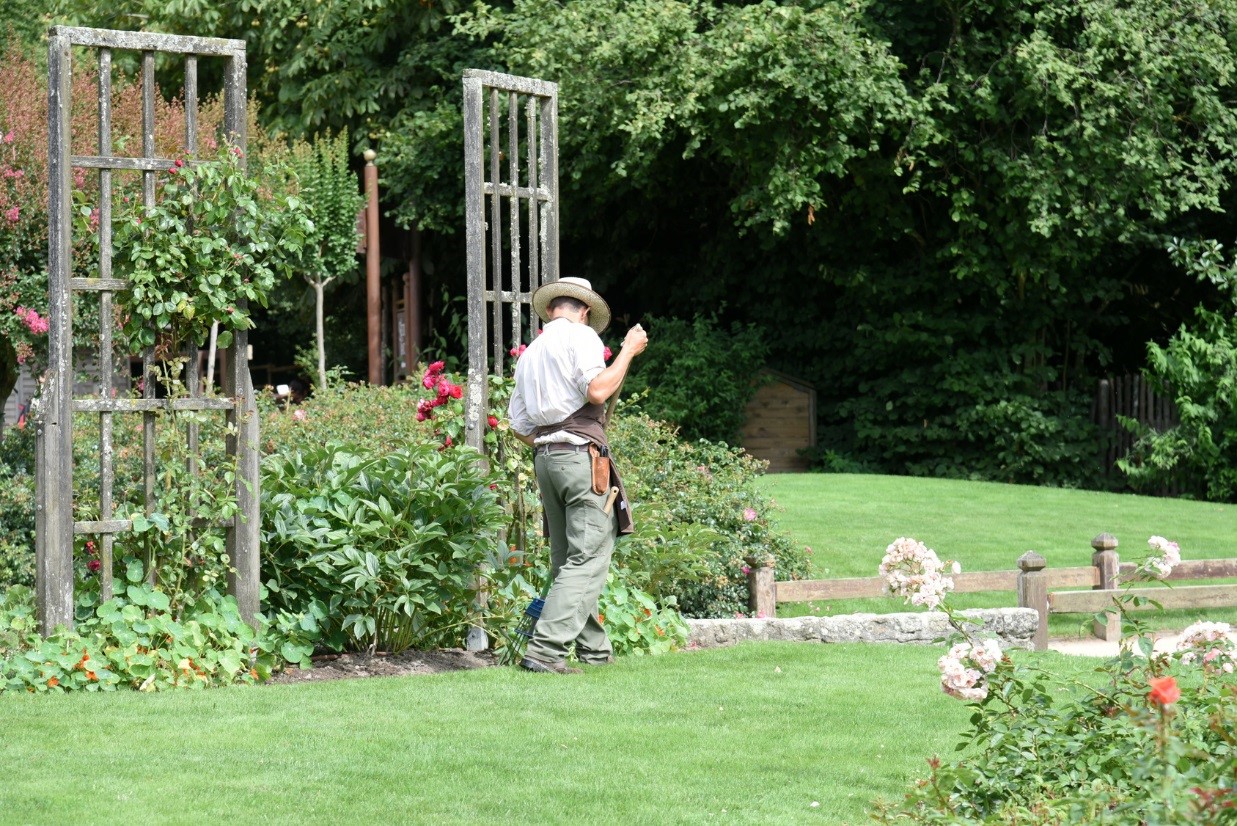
(1150, 737)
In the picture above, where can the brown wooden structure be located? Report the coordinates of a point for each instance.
(56, 524)
(781, 422)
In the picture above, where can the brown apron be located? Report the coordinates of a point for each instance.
(589, 422)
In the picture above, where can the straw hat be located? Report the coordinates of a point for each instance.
(579, 289)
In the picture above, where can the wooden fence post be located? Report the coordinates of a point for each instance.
(762, 591)
(1033, 593)
(1108, 565)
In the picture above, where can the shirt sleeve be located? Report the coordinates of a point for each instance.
(590, 357)
(517, 413)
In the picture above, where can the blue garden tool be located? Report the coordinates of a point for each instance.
(529, 621)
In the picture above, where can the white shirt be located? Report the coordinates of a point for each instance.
(552, 378)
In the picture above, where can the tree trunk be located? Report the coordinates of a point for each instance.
(319, 285)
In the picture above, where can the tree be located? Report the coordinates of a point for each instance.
(329, 188)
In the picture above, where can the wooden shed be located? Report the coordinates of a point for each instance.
(781, 421)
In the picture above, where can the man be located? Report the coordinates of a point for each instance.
(558, 406)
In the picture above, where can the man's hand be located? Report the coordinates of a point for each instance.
(608, 381)
(636, 340)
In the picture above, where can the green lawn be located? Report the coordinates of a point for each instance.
(849, 519)
(752, 734)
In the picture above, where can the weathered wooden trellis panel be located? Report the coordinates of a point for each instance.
(511, 167)
(55, 522)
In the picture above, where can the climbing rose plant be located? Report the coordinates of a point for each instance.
(214, 242)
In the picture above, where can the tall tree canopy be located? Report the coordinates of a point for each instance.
(950, 216)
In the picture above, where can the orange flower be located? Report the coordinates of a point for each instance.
(53, 682)
(1164, 690)
(90, 675)
(601, 617)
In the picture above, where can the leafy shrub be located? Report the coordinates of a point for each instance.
(17, 508)
(700, 519)
(380, 418)
(136, 641)
(1034, 440)
(389, 542)
(700, 375)
(1198, 369)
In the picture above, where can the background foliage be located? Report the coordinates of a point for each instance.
(699, 375)
(956, 215)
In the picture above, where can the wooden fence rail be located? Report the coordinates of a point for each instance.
(1034, 582)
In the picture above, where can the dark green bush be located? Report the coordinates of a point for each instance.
(137, 640)
(699, 374)
(701, 521)
(16, 508)
(1198, 370)
(389, 542)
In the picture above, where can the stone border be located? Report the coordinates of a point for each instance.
(1014, 627)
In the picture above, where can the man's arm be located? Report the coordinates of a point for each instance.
(606, 383)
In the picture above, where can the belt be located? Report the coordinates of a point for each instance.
(553, 446)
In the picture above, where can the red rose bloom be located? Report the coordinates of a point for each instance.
(1164, 690)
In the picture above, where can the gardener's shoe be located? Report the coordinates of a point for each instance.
(540, 667)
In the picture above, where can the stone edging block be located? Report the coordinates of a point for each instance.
(1014, 627)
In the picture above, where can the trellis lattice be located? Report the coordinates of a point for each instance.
(511, 209)
(56, 525)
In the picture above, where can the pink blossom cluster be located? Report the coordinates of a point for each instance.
(1169, 557)
(13, 214)
(445, 390)
(1210, 642)
(914, 571)
(33, 321)
(965, 669)
(750, 515)
(516, 352)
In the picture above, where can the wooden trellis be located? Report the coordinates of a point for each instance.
(511, 176)
(56, 524)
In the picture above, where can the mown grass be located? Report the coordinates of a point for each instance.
(751, 734)
(849, 519)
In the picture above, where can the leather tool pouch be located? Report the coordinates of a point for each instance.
(601, 468)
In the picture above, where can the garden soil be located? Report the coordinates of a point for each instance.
(349, 666)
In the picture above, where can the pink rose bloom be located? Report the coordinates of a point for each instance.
(749, 515)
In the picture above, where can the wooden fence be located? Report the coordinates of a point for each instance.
(1034, 582)
(1129, 397)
